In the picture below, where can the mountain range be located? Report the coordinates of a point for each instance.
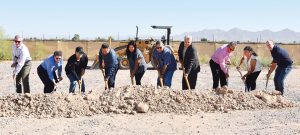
(236, 34)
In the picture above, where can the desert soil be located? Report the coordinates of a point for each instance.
(170, 111)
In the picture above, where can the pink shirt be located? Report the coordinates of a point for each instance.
(221, 57)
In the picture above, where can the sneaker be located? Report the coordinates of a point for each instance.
(276, 92)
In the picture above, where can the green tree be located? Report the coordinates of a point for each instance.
(203, 39)
(76, 37)
(100, 39)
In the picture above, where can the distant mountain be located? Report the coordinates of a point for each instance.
(236, 34)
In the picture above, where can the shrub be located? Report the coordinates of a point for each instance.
(5, 47)
(39, 52)
(204, 59)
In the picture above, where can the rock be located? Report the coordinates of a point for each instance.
(142, 107)
(123, 106)
(267, 98)
(68, 98)
(222, 91)
(137, 99)
(130, 102)
(104, 103)
(132, 112)
(230, 91)
(93, 109)
(111, 109)
(27, 95)
(2, 115)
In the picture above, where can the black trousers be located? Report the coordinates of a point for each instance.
(138, 77)
(251, 81)
(217, 74)
(192, 78)
(112, 78)
(48, 84)
(23, 76)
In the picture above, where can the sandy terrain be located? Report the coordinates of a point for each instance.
(268, 121)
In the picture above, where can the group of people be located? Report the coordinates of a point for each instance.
(281, 62)
(50, 70)
(164, 62)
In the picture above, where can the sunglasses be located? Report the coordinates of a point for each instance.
(17, 41)
(231, 49)
(57, 58)
(158, 48)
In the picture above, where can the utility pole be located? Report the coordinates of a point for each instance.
(118, 36)
(260, 38)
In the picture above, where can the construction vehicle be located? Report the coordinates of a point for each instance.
(146, 46)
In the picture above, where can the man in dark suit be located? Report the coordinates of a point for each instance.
(188, 58)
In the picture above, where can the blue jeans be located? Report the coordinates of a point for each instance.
(112, 77)
(280, 75)
(73, 83)
(167, 79)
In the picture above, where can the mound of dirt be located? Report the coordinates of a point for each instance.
(133, 99)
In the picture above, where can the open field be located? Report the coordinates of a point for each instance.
(267, 121)
(41, 49)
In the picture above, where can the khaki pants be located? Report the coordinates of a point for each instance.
(23, 76)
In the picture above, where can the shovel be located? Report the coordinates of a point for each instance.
(80, 85)
(132, 82)
(14, 80)
(105, 82)
(267, 83)
(227, 78)
(54, 88)
(267, 80)
(160, 78)
(186, 79)
(242, 79)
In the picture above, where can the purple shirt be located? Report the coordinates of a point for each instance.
(221, 57)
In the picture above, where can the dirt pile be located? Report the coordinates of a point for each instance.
(133, 99)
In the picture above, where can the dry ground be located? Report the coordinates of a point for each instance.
(275, 121)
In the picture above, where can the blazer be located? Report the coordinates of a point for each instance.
(190, 60)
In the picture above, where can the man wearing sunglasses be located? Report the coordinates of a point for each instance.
(75, 69)
(47, 71)
(165, 64)
(21, 65)
(218, 63)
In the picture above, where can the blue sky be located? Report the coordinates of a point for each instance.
(93, 18)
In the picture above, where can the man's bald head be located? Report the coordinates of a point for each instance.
(270, 44)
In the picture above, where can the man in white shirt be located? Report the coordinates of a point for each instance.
(21, 65)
